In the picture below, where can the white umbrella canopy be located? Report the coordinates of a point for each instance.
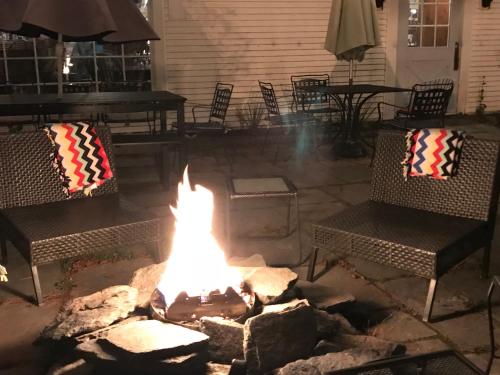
(113, 21)
(352, 30)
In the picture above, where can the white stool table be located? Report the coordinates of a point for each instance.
(262, 187)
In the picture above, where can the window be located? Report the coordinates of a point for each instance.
(29, 65)
(428, 23)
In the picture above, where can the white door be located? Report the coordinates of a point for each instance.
(429, 39)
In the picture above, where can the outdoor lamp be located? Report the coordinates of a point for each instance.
(380, 3)
(484, 3)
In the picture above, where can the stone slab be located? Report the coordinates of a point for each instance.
(401, 327)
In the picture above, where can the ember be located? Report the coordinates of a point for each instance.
(197, 280)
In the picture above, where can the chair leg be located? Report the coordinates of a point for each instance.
(312, 264)
(430, 300)
(289, 212)
(3, 245)
(485, 269)
(298, 238)
(36, 284)
(228, 226)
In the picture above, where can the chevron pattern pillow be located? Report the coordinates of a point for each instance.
(79, 157)
(433, 152)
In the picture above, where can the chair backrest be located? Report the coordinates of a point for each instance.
(27, 176)
(220, 102)
(304, 99)
(472, 193)
(269, 97)
(430, 99)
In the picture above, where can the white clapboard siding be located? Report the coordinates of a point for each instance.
(243, 41)
(484, 63)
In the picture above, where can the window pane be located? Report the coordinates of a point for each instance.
(442, 36)
(136, 49)
(47, 69)
(45, 47)
(109, 69)
(428, 36)
(137, 69)
(82, 70)
(413, 36)
(414, 17)
(19, 48)
(429, 12)
(21, 71)
(443, 14)
(106, 49)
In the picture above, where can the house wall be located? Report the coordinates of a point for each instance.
(480, 57)
(243, 41)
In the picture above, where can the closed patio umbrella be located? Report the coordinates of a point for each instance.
(352, 29)
(112, 21)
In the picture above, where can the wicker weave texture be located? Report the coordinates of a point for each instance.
(469, 194)
(27, 176)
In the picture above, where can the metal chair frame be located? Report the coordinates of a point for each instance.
(423, 226)
(428, 101)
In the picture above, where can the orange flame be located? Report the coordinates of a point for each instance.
(197, 264)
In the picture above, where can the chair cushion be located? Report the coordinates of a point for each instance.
(421, 242)
(66, 228)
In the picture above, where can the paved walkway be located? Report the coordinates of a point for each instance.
(389, 297)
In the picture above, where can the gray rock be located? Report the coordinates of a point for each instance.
(333, 361)
(300, 367)
(93, 312)
(255, 260)
(268, 283)
(225, 338)
(343, 342)
(329, 325)
(323, 297)
(284, 306)
(217, 369)
(109, 361)
(273, 339)
(145, 281)
(154, 339)
(74, 367)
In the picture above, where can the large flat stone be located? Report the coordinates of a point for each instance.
(273, 339)
(225, 338)
(328, 325)
(342, 342)
(323, 297)
(156, 340)
(93, 312)
(401, 327)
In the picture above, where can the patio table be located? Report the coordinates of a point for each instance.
(355, 96)
(109, 102)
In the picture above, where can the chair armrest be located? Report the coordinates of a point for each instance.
(379, 109)
(199, 106)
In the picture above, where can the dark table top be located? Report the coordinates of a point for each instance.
(353, 89)
(91, 97)
(13, 105)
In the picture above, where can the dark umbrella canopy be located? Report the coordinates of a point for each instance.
(113, 21)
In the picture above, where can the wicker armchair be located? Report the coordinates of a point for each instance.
(45, 226)
(422, 225)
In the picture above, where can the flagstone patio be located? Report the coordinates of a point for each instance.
(325, 187)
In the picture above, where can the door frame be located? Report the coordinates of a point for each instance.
(392, 35)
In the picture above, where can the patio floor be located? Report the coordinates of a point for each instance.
(325, 187)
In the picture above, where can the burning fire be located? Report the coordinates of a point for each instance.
(197, 264)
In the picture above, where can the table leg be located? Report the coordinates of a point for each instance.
(164, 167)
(183, 155)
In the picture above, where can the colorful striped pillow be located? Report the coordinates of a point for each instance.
(433, 152)
(79, 157)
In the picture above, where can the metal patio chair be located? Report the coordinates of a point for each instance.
(426, 108)
(422, 225)
(44, 225)
(279, 122)
(217, 110)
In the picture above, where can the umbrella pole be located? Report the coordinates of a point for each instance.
(59, 57)
(351, 68)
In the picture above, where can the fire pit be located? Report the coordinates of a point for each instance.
(197, 281)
